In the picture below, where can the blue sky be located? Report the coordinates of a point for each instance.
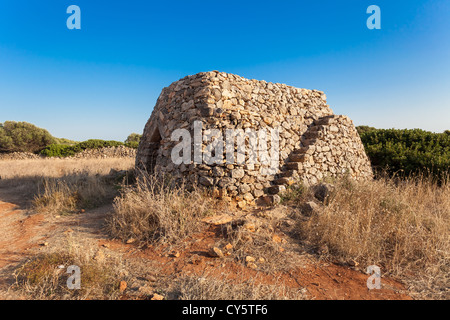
(102, 81)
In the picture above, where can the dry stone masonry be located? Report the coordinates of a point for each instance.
(313, 142)
(107, 152)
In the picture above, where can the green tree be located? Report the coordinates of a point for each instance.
(23, 137)
(134, 137)
(363, 129)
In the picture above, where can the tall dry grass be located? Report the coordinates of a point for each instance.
(210, 287)
(155, 210)
(58, 167)
(403, 226)
(63, 185)
(68, 194)
(44, 277)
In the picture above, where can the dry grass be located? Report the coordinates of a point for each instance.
(58, 167)
(212, 288)
(155, 211)
(63, 185)
(68, 194)
(257, 243)
(44, 276)
(401, 226)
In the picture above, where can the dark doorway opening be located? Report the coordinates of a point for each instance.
(155, 144)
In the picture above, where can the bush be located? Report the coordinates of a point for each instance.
(133, 138)
(96, 144)
(132, 144)
(65, 141)
(407, 152)
(57, 150)
(154, 211)
(23, 137)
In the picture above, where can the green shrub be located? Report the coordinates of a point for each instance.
(23, 137)
(132, 144)
(58, 150)
(97, 143)
(65, 141)
(408, 152)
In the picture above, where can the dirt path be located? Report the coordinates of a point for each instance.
(19, 234)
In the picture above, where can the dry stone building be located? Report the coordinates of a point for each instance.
(312, 142)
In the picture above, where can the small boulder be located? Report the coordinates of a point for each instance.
(310, 208)
(323, 191)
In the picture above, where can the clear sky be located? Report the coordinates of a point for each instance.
(102, 81)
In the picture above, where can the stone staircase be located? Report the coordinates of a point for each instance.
(293, 169)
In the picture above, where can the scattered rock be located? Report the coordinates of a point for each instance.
(216, 252)
(251, 265)
(157, 297)
(353, 263)
(122, 286)
(146, 290)
(249, 259)
(276, 238)
(218, 220)
(175, 254)
(250, 226)
(151, 278)
(309, 208)
(323, 191)
(242, 204)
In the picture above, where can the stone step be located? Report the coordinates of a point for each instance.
(325, 120)
(304, 150)
(311, 134)
(298, 157)
(300, 150)
(284, 181)
(289, 173)
(307, 142)
(297, 166)
(272, 199)
(276, 189)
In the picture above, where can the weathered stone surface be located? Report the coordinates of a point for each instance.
(314, 143)
(309, 208)
(323, 191)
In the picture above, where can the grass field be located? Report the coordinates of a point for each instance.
(403, 226)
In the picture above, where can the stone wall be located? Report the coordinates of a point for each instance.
(107, 152)
(313, 142)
